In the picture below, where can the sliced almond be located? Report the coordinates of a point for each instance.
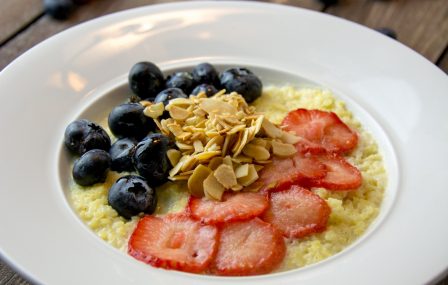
(206, 155)
(254, 187)
(258, 152)
(179, 102)
(289, 138)
(227, 160)
(225, 175)
(177, 167)
(271, 130)
(211, 105)
(242, 159)
(215, 162)
(237, 187)
(283, 149)
(242, 143)
(242, 170)
(198, 147)
(258, 167)
(212, 187)
(189, 163)
(250, 178)
(183, 146)
(179, 113)
(196, 180)
(173, 156)
(145, 103)
(175, 129)
(154, 110)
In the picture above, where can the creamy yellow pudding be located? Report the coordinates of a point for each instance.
(352, 212)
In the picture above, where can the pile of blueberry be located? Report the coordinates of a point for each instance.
(139, 146)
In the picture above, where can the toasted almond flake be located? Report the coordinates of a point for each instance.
(178, 113)
(283, 149)
(237, 187)
(177, 167)
(236, 129)
(154, 110)
(271, 130)
(225, 175)
(211, 105)
(160, 127)
(242, 159)
(250, 178)
(259, 123)
(258, 167)
(198, 147)
(184, 136)
(263, 161)
(200, 113)
(189, 163)
(203, 156)
(242, 143)
(212, 188)
(259, 141)
(227, 160)
(196, 181)
(254, 187)
(258, 152)
(183, 146)
(173, 156)
(230, 119)
(175, 128)
(226, 143)
(289, 138)
(178, 178)
(178, 102)
(215, 162)
(145, 103)
(242, 170)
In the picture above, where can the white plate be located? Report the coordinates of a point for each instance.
(396, 93)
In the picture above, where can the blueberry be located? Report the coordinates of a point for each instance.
(59, 9)
(83, 135)
(388, 32)
(181, 80)
(205, 73)
(131, 195)
(128, 120)
(146, 79)
(208, 89)
(150, 158)
(91, 167)
(242, 81)
(121, 153)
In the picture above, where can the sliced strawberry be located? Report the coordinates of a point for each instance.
(284, 172)
(297, 212)
(174, 241)
(320, 130)
(248, 248)
(341, 175)
(233, 207)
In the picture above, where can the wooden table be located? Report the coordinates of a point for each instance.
(420, 24)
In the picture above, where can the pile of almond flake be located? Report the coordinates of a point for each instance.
(222, 142)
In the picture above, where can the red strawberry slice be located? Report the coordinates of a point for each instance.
(248, 248)
(174, 241)
(233, 207)
(297, 212)
(320, 130)
(284, 172)
(341, 175)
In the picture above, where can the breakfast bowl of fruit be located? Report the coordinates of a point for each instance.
(164, 146)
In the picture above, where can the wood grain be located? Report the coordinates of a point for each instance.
(420, 24)
(15, 14)
(46, 27)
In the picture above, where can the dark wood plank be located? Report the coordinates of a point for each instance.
(47, 27)
(443, 64)
(307, 4)
(14, 14)
(9, 277)
(421, 25)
